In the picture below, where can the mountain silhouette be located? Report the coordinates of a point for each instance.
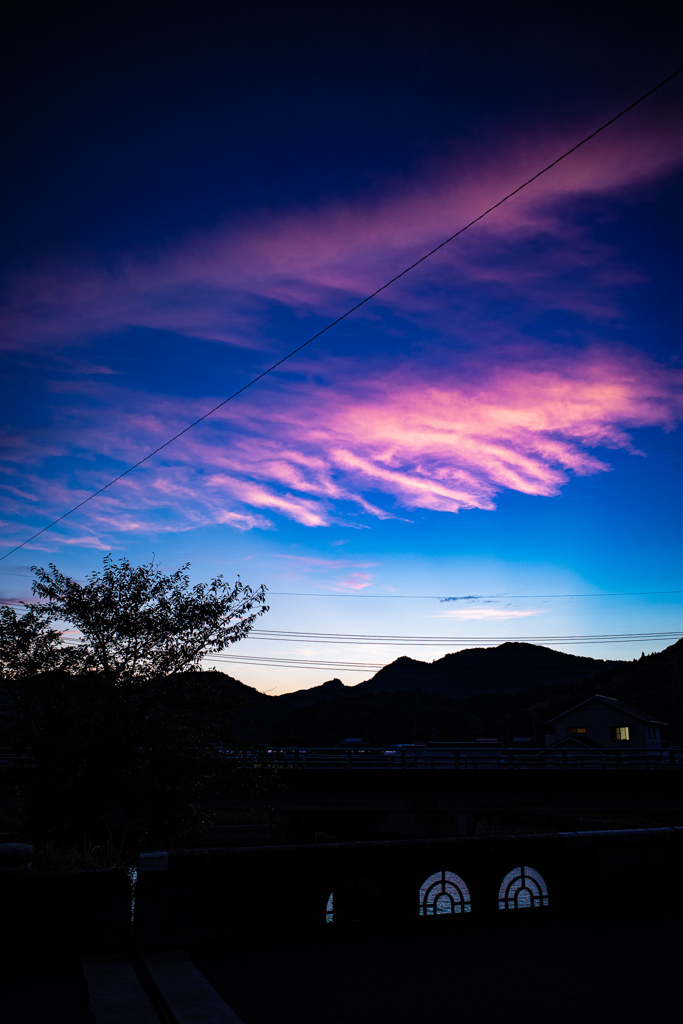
(315, 694)
(545, 683)
(508, 668)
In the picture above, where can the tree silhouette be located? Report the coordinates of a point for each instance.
(122, 730)
(136, 622)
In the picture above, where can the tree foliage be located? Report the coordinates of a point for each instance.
(122, 730)
(138, 623)
(29, 643)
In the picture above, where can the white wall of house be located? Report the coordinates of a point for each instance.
(600, 722)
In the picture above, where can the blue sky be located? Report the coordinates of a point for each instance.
(192, 193)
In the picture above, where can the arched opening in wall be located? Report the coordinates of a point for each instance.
(444, 893)
(354, 900)
(522, 888)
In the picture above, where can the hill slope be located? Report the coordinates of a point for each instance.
(653, 684)
(508, 668)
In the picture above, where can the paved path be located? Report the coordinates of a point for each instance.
(166, 987)
(116, 994)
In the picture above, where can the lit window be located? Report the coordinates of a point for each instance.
(329, 910)
(577, 729)
(444, 893)
(522, 887)
(620, 732)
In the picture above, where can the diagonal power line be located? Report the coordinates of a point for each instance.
(352, 309)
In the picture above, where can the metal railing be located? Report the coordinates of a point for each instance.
(465, 758)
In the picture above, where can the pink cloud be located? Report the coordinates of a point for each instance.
(446, 434)
(244, 521)
(444, 440)
(355, 581)
(302, 510)
(491, 614)
(301, 565)
(311, 563)
(455, 442)
(217, 285)
(87, 540)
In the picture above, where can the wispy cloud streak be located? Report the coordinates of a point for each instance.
(474, 408)
(490, 614)
(219, 285)
(324, 452)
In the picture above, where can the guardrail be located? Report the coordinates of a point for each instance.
(452, 758)
(458, 758)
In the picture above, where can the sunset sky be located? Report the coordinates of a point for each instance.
(189, 196)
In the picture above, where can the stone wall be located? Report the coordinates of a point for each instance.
(217, 895)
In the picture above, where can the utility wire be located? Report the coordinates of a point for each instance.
(394, 641)
(484, 642)
(351, 310)
(291, 636)
(248, 659)
(431, 667)
(364, 666)
(468, 597)
(301, 635)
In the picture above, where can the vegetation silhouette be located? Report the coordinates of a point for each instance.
(122, 728)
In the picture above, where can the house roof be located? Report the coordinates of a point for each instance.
(618, 705)
(576, 741)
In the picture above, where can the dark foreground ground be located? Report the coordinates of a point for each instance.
(597, 970)
(528, 970)
(47, 989)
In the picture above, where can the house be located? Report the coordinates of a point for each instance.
(604, 722)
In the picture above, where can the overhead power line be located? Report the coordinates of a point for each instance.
(255, 659)
(327, 665)
(290, 636)
(365, 666)
(474, 597)
(304, 635)
(352, 309)
(483, 642)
